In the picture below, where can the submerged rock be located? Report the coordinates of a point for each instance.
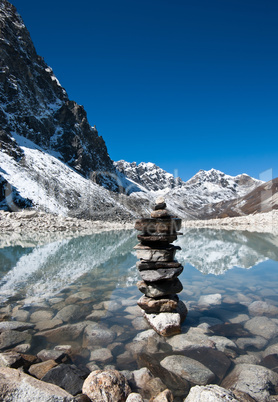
(189, 369)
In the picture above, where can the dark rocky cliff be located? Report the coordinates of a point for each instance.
(34, 105)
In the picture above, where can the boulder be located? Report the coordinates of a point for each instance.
(189, 369)
(256, 381)
(209, 393)
(109, 385)
(19, 387)
(262, 326)
(66, 376)
(97, 335)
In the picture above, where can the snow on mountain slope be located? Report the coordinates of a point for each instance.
(186, 198)
(55, 187)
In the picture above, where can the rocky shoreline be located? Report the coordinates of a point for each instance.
(266, 222)
(35, 221)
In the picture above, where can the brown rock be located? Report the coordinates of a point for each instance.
(156, 225)
(39, 370)
(160, 305)
(164, 396)
(107, 385)
(160, 213)
(156, 254)
(157, 238)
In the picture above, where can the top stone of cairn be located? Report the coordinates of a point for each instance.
(160, 203)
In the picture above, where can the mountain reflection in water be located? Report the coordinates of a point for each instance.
(40, 272)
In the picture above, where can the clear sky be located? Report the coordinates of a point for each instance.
(186, 84)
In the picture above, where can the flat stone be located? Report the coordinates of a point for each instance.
(211, 299)
(270, 350)
(102, 355)
(162, 205)
(213, 359)
(156, 254)
(189, 369)
(159, 200)
(194, 338)
(139, 323)
(260, 308)
(229, 330)
(160, 274)
(160, 213)
(64, 333)
(39, 370)
(257, 342)
(15, 326)
(108, 385)
(152, 240)
(145, 265)
(50, 354)
(97, 334)
(66, 376)
(209, 393)
(165, 324)
(151, 225)
(10, 359)
(41, 315)
(256, 381)
(262, 326)
(160, 305)
(161, 288)
(48, 324)
(18, 387)
(10, 338)
(224, 344)
(68, 313)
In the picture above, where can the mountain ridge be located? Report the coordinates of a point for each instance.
(52, 159)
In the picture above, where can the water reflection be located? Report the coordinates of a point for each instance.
(215, 251)
(33, 273)
(46, 270)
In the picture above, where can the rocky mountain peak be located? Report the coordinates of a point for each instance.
(148, 175)
(34, 105)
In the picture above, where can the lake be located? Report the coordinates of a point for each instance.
(65, 285)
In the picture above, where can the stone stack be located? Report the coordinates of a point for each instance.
(159, 270)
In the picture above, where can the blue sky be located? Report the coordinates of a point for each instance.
(187, 85)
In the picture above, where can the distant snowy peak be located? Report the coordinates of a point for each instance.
(148, 175)
(214, 181)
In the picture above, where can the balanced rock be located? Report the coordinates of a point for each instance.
(159, 270)
(159, 305)
(160, 274)
(160, 288)
(156, 254)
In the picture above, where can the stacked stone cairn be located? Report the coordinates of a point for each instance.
(159, 271)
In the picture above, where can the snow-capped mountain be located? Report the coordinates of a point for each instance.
(148, 175)
(187, 199)
(52, 159)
